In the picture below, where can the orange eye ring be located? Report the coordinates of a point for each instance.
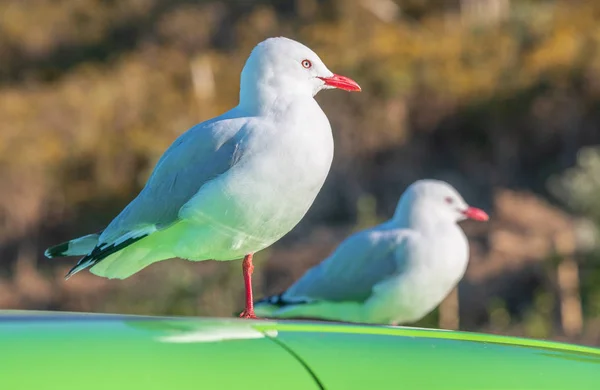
(306, 64)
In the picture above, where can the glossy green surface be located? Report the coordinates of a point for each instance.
(142, 354)
(68, 351)
(412, 360)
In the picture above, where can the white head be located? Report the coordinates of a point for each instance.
(435, 199)
(278, 66)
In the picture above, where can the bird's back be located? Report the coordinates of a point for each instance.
(351, 271)
(198, 156)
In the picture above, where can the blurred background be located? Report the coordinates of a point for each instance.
(499, 97)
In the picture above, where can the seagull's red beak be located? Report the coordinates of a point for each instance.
(476, 214)
(341, 82)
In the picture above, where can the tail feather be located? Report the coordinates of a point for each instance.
(102, 251)
(329, 311)
(316, 310)
(282, 306)
(77, 247)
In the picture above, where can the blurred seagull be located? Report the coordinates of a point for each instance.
(232, 185)
(393, 273)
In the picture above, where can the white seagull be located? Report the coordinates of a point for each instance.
(393, 273)
(232, 185)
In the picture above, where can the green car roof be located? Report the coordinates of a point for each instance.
(49, 350)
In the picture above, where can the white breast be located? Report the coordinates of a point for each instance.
(286, 159)
(294, 156)
(436, 269)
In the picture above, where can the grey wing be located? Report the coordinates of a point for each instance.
(350, 272)
(196, 157)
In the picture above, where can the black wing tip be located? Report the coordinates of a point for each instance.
(272, 300)
(100, 253)
(57, 250)
(73, 271)
(82, 264)
(280, 301)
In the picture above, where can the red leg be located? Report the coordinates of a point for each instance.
(248, 268)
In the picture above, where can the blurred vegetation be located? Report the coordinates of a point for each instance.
(501, 95)
(578, 187)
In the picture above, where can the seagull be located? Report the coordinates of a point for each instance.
(232, 185)
(394, 273)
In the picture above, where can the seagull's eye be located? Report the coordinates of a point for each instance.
(306, 64)
(449, 200)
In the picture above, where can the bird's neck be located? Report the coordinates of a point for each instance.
(403, 214)
(257, 101)
(419, 217)
(264, 97)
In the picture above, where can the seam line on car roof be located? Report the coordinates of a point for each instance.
(299, 359)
